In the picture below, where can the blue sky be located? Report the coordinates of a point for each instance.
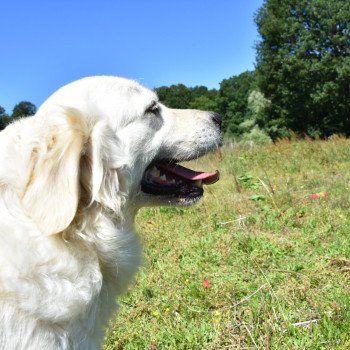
(46, 44)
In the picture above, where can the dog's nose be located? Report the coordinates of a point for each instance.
(216, 118)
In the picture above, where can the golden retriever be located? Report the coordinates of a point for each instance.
(72, 178)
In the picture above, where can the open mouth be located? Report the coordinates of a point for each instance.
(175, 181)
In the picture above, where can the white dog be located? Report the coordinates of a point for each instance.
(72, 178)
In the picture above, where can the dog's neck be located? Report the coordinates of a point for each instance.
(114, 241)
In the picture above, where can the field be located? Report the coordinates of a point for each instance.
(263, 262)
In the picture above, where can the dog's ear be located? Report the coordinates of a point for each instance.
(51, 193)
(102, 164)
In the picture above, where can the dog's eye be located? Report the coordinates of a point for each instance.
(152, 109)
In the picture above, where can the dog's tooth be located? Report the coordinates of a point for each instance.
(173, 181)
(198, 183)
(163, 177)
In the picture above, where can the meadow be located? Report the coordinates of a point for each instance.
(263, 262)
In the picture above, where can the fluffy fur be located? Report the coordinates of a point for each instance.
(69, 191)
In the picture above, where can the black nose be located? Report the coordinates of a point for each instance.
(216, 118)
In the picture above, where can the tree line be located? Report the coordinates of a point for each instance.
(301, 82)
(21, 109)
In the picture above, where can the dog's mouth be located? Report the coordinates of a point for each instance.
(182, 185)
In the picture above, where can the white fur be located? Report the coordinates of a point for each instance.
(69, 191)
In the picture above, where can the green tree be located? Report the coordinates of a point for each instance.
(303, 65)
(23, 109)
(198, 91)
(257, 106)
(180, 96)
(175, 96)
(204, 103)
(4, 118)
(256, 109)
(233, 101)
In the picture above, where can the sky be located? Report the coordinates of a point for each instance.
(48, 43)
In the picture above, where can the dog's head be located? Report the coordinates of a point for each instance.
(109, 142)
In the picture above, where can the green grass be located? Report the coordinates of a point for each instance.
(277, 262)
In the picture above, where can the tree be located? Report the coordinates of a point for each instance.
(257, 106)
(3, 118)
(175, 96)
(23, 109)
(180, 96)
(204, 103)
(303, 65)
(233, 100)
(256, 109)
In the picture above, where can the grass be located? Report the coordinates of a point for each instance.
(277, 262)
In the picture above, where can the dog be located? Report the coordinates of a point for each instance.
(72, 178)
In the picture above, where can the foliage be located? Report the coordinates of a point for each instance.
(2, 112)
(257, 105)
(231, 100)
(256, 110)
(23, 109)
(204, 103)
(255, 135)
(3, 118)
(261, 263)
(303, 66)
(234, 94)
(174, 96)
(180, 96)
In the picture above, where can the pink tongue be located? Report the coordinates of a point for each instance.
(188, 174)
